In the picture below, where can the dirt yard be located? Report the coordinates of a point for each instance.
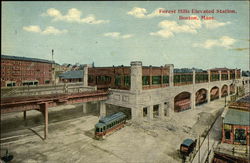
(71, 136)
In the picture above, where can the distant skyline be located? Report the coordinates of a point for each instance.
(118, 32)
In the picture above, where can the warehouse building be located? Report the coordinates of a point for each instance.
(21, 71)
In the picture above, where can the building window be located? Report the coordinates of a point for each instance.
(177, 78)
(224, 76)
(127, 80)
(145, 80)
(118, 80)
(156, 79)
(227, 134)
(240, 136)
(165, 79)
(215, 77)
(47, 81)
(11, 84)
(90, 78)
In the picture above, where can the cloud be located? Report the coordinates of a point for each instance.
(169, 28)
(47, 31)
(224, 41)
(73, 15)
(53, 30)
(142, 13)
(32, 28)
(211, 24)
(117, 35)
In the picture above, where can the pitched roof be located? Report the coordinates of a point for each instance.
(237, 117)
(72, 74)
(25, 59)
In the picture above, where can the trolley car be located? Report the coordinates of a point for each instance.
(109, 124)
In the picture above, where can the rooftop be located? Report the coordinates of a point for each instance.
(241, 104)
(237, 117)
(25, 59)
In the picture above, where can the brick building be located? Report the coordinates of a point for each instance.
(236, 123)
(21, 71)
(235, 143)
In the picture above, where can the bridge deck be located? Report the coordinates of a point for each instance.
(13, 104)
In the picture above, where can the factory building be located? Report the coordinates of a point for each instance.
(21, 71)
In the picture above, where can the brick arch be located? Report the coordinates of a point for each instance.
(224, 90)
(214, 93)
(201, 96)
(182, 101)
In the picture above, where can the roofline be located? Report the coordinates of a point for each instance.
(26, 59)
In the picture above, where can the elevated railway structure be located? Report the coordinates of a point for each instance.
(42, 103)
(143, 91)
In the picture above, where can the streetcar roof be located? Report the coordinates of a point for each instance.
(112, 117)
(99, 125)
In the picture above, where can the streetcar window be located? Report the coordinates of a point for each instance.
(104, 128)
(101, 129)
(97, 130)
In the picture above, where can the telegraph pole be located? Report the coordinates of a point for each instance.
(52, 55)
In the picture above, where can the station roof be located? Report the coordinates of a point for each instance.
(237, 117)
(72, 74)
(25, 59)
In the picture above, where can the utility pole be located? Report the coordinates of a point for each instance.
(52, 55)
(53, 68)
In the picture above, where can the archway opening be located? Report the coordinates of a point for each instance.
(182, 101)
(214, 93)
(201, 97)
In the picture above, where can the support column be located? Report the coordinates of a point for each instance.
(150, 112)
(137, 113)
(136, 76)
(193, 76)
(219, 92)
(209, 76)
(161, 110)
(85, 75)
(193, 100)
(102, 109)
(44, 110)
(208, 96)
(84, 108)
(171, 106)
(171, 74)
(220, 75)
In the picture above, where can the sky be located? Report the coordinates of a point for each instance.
(118, 32)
